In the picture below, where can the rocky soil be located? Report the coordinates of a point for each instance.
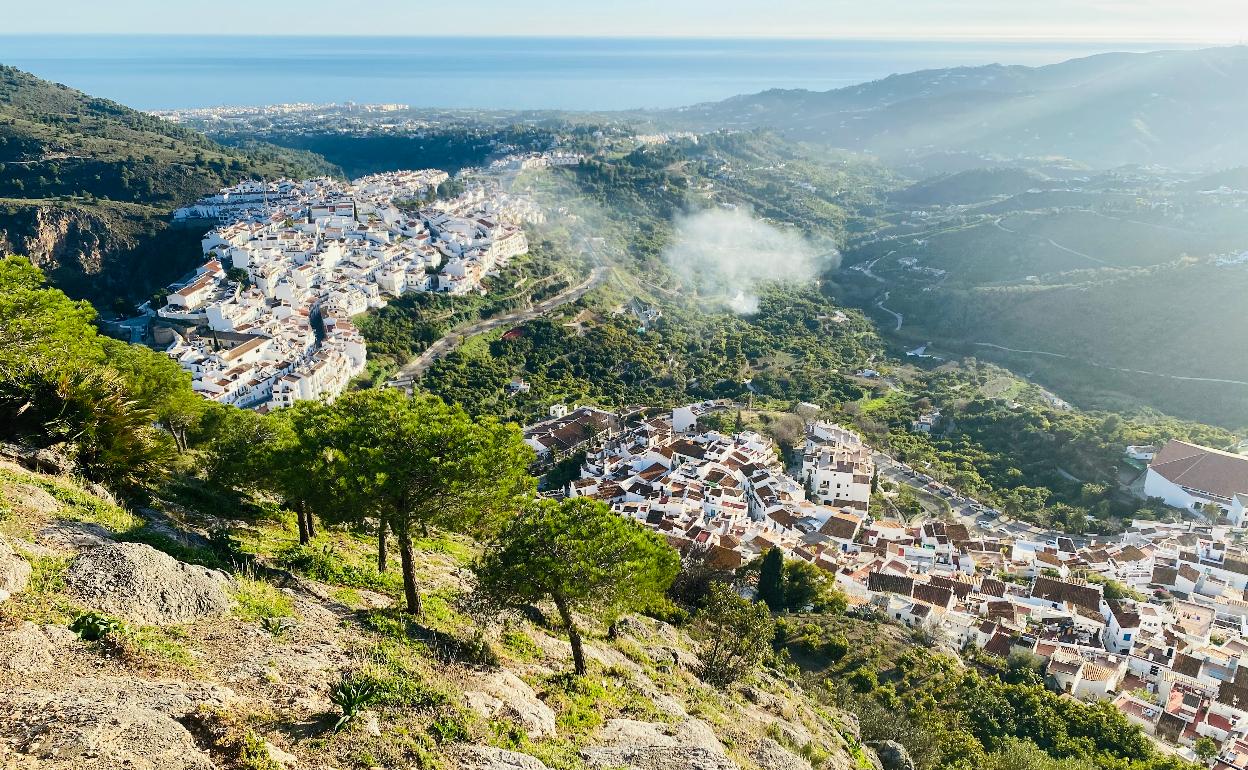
(220, 670)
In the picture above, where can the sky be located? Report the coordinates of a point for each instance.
(1213, 21)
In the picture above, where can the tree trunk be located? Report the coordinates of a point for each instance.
(304, 536)
(383, 545)
(408, 557)
(574, 634)
(309, 522)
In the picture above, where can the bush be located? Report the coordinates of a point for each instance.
(326, 564)
(736, 634)
(96, 626)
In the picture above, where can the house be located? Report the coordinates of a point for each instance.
(1189, 476)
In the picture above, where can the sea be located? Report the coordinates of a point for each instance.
(168, 72)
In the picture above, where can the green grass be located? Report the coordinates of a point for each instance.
(43, 600)
(258, 599)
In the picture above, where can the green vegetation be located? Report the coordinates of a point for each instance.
(111, 176)
(580, 555)
(738, 635)
(61, 383)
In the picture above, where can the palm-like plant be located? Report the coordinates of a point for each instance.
(351, 695)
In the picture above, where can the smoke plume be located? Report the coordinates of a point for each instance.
(727, 253)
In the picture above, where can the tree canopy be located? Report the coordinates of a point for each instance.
(580, 555)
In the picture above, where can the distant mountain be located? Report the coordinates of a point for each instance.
(970, 187)
(1183, 109)
(87, 186)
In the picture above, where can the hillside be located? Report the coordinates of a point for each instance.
(971, 186)
(237, 668)
(87, 185)
(1177, 108)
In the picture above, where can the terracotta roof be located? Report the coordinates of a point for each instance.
(1060, 591)
(897, 584)
(1203, 469)
(999, 645)
(941, 597)
(1186, 665)
(992, 587)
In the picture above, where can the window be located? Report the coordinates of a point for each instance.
(1126, 637)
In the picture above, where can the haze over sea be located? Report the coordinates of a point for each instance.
(163, 72)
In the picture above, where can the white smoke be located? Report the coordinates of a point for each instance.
(727, 253)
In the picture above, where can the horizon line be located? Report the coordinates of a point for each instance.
(864, 37)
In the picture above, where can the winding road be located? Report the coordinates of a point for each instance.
(413, 370)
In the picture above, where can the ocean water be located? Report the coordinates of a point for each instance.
(163, 72)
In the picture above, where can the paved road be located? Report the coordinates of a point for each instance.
(977, 520)
(417, 366)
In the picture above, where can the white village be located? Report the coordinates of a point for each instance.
(1169, 658)
(266, 320)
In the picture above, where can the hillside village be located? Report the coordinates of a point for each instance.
(266, 320)
(1155, 621)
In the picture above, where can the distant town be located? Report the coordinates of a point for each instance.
(266, 320)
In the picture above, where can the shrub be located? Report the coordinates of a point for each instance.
(450, 728)
(96, 626)
(737, 635)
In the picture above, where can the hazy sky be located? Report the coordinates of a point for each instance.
(1220, 21)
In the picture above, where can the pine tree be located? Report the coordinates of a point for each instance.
(771, 580)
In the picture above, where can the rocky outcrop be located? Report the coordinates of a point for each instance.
(502, 694)
(489, 758)
(14, 571)
(626, 743)
(31, 649)
(140, 584)
(772, 756)
(105, 726)
(54, 461)
(893, 756)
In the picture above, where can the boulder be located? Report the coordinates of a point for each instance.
(626, 743)
(55, 460)
(14, 571)
(140, 584)
(503, 694)
(490, 758)
(893, 756)
(72, 731)
(30, 649)
(772, 756)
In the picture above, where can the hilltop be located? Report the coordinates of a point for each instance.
(87, 186)
(1177, 108)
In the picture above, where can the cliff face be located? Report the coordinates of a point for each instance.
(101, 252)
(219, 667)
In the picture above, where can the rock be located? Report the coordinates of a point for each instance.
(51, 460)
(772, 756)
(30, 649)
(14, 570)
(690, 745)
(283, 758)
(893, 756)
(372, 725)
(30, 499)
(489, 758)
(71, 731)
(74, 536)
(503, 694)
(792, 733)
(136, 582)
